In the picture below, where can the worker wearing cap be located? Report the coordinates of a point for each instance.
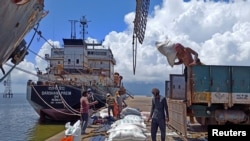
(119, 101)
(110, 101)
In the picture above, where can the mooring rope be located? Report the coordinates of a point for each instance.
(65, 102)
(21, 57)
(50, 105)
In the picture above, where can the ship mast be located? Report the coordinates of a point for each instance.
(84, 24)
(73, 28)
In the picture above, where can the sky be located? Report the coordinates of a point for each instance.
(218, 31)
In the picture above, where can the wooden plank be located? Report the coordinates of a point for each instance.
(177, 116)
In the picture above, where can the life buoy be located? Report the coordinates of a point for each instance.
(20, 2)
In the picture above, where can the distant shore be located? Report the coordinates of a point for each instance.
(143, 103)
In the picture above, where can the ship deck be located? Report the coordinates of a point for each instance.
(195, 131)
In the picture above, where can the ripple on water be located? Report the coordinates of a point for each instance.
(17, 117)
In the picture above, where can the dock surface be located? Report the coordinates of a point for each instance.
(143, 103)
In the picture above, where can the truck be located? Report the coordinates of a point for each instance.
(212, 95)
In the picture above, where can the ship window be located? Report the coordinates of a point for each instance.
(69, 61)
(90, 52)
(101, 62)
(77, 61)
(58, 62)
(97, 53)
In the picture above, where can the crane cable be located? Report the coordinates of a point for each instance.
(14, 66)
(22, 56)
(40, 34)
(73, 111)
(134, 44)
(36, 54)
(63, 100)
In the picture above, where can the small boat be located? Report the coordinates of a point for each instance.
(76, 67)
(17, 18)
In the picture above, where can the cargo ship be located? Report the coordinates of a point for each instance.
(76, 67)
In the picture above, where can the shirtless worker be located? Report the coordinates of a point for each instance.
(184, 55)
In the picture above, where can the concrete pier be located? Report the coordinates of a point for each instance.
(143, 103)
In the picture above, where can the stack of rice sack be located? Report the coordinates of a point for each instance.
(130, 127)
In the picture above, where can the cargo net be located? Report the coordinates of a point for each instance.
(140, 23)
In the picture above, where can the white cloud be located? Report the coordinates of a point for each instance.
(19, 76)
(219, 32)
(45, 49)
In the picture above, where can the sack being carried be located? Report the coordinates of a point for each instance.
(167, 49)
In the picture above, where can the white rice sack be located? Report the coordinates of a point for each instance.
(103, 113)
(67, 125)
(69, 131)
(128, 127)
(130, 111)
(76, 131)
(145, 115)
(167, 49)
(77, 124)
(134, 117)
(126, 122)
(131, 133)
(73, 130)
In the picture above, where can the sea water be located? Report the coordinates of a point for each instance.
(17, 118)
